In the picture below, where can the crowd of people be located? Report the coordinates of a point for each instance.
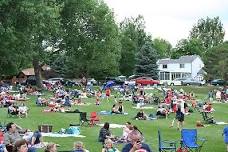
(132, 137)
(174, 101)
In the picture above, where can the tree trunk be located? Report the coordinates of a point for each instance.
(37, 70)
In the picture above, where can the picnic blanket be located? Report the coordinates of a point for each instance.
(148, 107)
(104, 113)
(109, 113)
(82, 104)
(221, 123)
(61, 135)
(112, 125)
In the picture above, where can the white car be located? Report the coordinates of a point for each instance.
(177, 81)
(131, 82)
(53, 80)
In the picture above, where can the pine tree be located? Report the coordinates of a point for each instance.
(146, 61)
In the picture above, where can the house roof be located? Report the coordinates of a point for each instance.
(201, 71)
(182, 59)
(29, 71)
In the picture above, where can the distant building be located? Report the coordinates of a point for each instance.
(190, 66)
(46, 72)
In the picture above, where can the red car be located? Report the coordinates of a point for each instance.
(146, 81)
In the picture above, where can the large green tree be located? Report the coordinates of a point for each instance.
(31, 23)
(216, 62)
(163, 48)
(188, 47)
(91, 39)
(12, 58)
(146, 60)
(210, 31)
(133, 37)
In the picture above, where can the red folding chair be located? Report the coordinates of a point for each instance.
(94, 118)
(1, 137)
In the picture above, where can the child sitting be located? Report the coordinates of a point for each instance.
(108, 147)
(79, 147)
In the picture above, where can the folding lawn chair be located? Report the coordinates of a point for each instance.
(165, 145)
(83, 119)
(190, 140)
(206, 118)
(94, 118)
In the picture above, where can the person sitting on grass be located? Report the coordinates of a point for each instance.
(136, 143)
(40, 101)
(118, 108)
(21, 146)
(13, 110)
(51, 147)
(12, 136)
(23, 110)
(104, 133)
(126, 130)
(79, 147)
(161, 111)
(207, 107)
(141, 115)
(67, 101)
(108, 146)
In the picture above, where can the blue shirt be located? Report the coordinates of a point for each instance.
(225, 133)
(128, 147)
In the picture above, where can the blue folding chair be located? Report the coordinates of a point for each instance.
(190, 140)
(165, 145)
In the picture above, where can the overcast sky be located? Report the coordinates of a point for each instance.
(171, 19)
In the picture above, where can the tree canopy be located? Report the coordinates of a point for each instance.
(90, 40)
(210, 31)
(163, 47)
(216, 62)
(133, 37)
(29, 23)
(188, 47)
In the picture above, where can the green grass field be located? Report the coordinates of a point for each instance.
(213, 133)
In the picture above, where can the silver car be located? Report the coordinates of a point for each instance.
(190, 81)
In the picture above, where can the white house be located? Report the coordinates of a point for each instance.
(186, 66)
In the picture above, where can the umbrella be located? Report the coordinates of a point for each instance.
(109, 84)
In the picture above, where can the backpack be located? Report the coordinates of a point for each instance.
(73, 130)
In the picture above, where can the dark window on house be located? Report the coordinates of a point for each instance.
(181, 65)
(164, 66)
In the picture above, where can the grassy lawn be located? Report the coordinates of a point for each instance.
(213, 133)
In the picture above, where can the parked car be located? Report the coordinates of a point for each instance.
(218, 82)
(176, 82)
(63, 81)
(31, 80)
(53, 80)
(190, 81)
(146, 81)
(69, 83)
